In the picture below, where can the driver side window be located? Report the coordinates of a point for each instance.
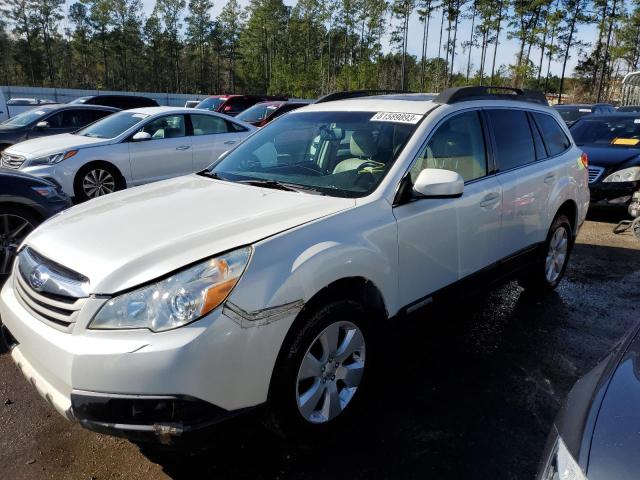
(457, 145)
(166, 127)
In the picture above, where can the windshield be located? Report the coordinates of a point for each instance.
(258, 112)
(342, 154)
(210, 103)
(26, 118)
(113, 125)
(607, 131)
(571, 114)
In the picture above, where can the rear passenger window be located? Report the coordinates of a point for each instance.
(554, 137)
(208, 125)
(457, 145)
(514, 142)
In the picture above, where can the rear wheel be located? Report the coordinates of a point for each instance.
(15, 224)
(551, 264)
(322, 377)
(96, 180)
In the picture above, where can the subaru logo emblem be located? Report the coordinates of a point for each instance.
(38, 278)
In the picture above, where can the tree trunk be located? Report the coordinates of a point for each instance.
(606, 50)
(473, 20)
(495, 50)
(574, 19)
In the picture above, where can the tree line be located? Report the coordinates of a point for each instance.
(316, 47)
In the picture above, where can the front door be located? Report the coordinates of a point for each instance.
(444, 240)
(167, 154)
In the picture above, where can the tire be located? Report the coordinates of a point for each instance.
(15, 224)
(551, 264)
(95, 180)
(292, 412)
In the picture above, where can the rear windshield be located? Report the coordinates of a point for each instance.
(619, 132)
(113, 125)
(571, 114)
(210, 103)
(343, 154)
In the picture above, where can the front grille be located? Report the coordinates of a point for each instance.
(54, 303)
(595, 173)
(11, 161)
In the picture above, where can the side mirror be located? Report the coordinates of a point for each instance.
(42, 125)
(437, 183)
(141, 136)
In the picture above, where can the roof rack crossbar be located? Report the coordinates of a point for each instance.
(465, 94)
(356, 94)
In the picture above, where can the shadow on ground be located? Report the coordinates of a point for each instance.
(466, 390)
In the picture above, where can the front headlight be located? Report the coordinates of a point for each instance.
(562, 465)
(625, 175)
(180, 299)
(53, 159)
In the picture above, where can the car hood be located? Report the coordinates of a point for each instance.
(51, 144)
(131, 237)
(616, 441)
(609, 157)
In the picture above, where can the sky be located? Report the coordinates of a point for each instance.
(506, 51)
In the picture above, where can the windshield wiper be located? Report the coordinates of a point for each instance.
(269, 184)
(210, 174)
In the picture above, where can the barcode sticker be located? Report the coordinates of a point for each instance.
(396, 117)
(584, 110)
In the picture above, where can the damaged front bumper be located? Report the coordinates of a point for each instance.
(145, 385)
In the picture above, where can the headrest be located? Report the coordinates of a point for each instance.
(362, 144)
(450, 144)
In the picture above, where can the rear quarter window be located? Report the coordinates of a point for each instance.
(552, 134)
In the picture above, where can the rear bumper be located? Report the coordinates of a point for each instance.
(613, 193)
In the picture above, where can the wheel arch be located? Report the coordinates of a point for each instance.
(570, 209)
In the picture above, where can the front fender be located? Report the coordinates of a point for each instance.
(290, 268)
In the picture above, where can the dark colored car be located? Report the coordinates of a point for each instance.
(595, 436)
(264, 112)
(571, 113)
(629, 108)
(612, 143)
(233, 104)
(25, 202)
(49, 120)
(123, 102)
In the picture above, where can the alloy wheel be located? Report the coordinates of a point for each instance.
(557, 254)
(98, 182)
(13, 230)
(330, 372)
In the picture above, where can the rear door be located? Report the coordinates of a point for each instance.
(167, 154)
(212, 136)
(526, 175)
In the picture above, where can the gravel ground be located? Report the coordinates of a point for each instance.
(465, 391)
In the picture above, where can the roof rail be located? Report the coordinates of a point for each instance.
(355, 94)
(465, 94)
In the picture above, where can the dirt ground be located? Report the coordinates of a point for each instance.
(466, 391)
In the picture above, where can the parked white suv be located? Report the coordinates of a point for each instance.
(264, 280)
(129, 148)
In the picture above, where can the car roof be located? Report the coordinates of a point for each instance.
(612, 116)
(157, 110)
(75, 106)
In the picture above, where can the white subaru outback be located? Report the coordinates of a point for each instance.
(263, 280)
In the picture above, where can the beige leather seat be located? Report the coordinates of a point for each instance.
(362, 148)
(450, 150)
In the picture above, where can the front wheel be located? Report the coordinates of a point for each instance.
(15, 224)
(320, 380)
(551, 264)
(95, 181)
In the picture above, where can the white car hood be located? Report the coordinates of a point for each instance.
(39, 147)
(127, 238)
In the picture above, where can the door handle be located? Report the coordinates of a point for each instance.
(549, 178)
(230, 142)
(183, 147)
(490, 199)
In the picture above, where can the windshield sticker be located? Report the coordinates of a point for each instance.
(584, 110)
(139, 115)
(636, 120)
(625, 141)
(397, 117)
(39, 112)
